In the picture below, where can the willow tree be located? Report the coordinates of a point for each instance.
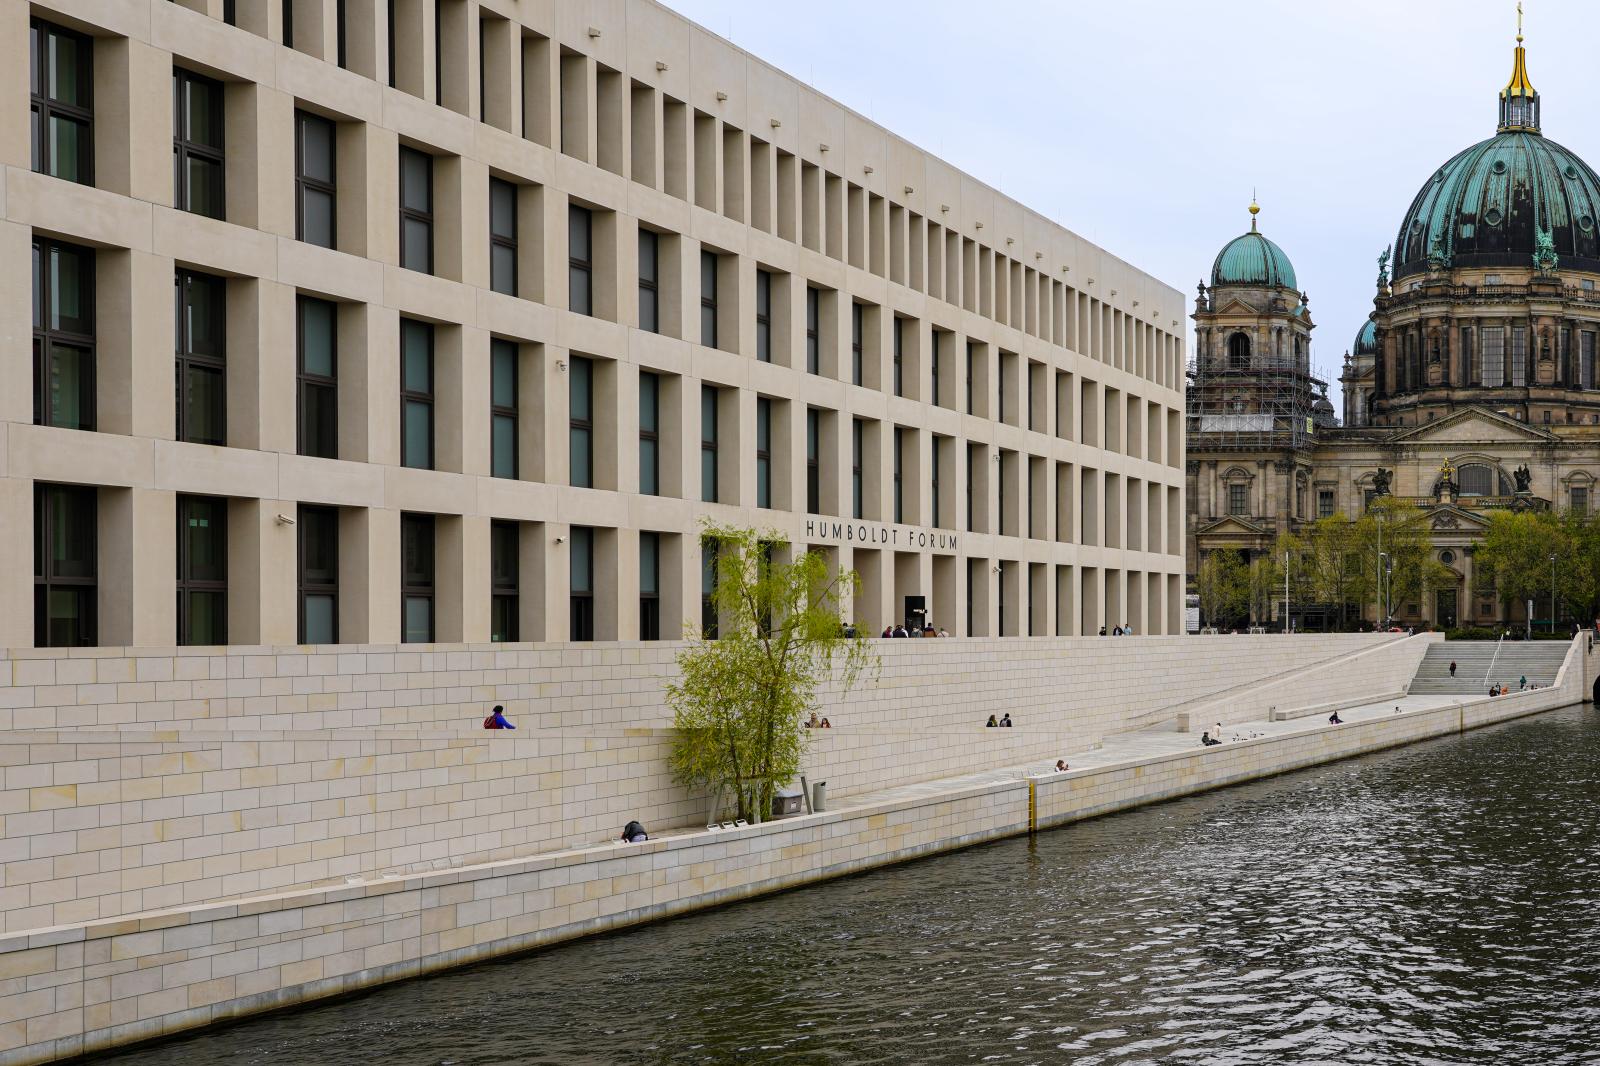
(743, 692)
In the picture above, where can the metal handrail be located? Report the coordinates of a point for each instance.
(1492, 660)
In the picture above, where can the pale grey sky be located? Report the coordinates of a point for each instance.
(1159, 116)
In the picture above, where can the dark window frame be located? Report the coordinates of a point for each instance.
(43, 107)
(933, 480)
(426, 399)
(307, 382)
(898, 497)
(649, 598)
(858, 432)
(710, 399)
(857, 343)
(580, 423)
(422, 583)
(503, 236)
(580, 264)
(422, 216)
(650, 283)
(46, 339)
(710, 264)
(46, 581)
(185, 147)
(499, 412)
(307, 582)
(650, 433)
(186, 582)
(304, 121)
(813, 460)
(763, 316)
(581, 599)
(813, 330)
(899, 356)
(933, 363)
(186, 285)
(505, 580)
(763, 452)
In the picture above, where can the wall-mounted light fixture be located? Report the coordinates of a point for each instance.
(285, 520)
(661, 66)
(561, 365)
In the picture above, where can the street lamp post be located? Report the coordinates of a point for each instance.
(1552, 594)
(1286, 592)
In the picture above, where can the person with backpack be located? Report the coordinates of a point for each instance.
(633, 833)
(497, 719)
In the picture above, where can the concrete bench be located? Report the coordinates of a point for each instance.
(1285, 714)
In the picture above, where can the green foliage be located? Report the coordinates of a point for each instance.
(1325, 564)
(1516, 556)
(740, 699)
(1401, 531)
(1222, 581)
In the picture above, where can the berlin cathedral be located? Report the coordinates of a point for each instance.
(1471, 386)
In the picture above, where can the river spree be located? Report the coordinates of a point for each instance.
(1435, 904)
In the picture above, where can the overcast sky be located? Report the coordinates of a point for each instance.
(1159, 116)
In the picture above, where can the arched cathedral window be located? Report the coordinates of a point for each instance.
(1238, 352)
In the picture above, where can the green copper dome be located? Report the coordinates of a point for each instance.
(1367, 339)
(1489, 205)
(1251, 259)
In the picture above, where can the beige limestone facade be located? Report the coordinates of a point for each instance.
(476, 309)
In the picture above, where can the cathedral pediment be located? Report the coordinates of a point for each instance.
(1236, 306)
(1233, 526)
(1475, 425)
(1447, 517)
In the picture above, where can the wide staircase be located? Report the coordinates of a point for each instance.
(1537, 660)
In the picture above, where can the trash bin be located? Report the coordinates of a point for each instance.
(786, 802)
(819, 796)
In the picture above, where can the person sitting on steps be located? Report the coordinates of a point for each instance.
(497, 719)
(1005, 722)
(1334, 719)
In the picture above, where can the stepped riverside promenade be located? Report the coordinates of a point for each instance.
(199, 834)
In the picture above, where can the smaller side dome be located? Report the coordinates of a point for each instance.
(1251, 259)
(1367, 339)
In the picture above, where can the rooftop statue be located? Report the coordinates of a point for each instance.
(1544, 253)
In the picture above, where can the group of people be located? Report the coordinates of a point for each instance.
(925, 631)
(1500, 688)
(815, 723)
(1124, 630)
(1003, 723)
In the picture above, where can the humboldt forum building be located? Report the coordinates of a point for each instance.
(453, 321)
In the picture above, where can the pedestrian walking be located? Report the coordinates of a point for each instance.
(1452, 668)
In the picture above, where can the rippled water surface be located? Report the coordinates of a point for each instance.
(1436, 904)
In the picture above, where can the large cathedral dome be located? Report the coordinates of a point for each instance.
(1251, 259)
(1489, 205)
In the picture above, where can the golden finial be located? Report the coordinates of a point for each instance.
(1519, 21)
(1255, 209)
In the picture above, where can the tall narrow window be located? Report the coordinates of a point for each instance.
(971, 358)
(416, 394)
(502, 236)
(1000, 597)
(899, 461)
(1519, 355)
(933, 481)
(1586, 358)
(899, 354)
(933, 362)
(763, 452)
(580, 421)
(764, 316)
(61, 83)
(708, 299)
(857, 435)
(314, 179)
(63, 335)
(1238, 499)
(65, 555)
(649, 281)
(505, 568)
(1494, 356)
(708, 443)
(197, 144)
(416, 210)
(580, 260)
(317, 344)
(582, 620)
(288, 23)
(416, 578)
(649, 434)
(202, 570)
(201, 371)
(391, 36)
(972, 492)
(813, 331)
(341, 29)
(319, 575)
(857, 336)
(503, 408)
(708, 587)
(1000, 388)
(813, 461)
(649, 585)
(1000, 493)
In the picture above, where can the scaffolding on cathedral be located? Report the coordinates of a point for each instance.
(1269, 404)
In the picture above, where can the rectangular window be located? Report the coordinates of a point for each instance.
(933, 361)
(582, 620)
(1238, 499)
(65, 553)
(708, 444)
(1494, 356)
(899, 459)
(416, 578)
(813, 331)
(503, 408)
(708, 299)
(197, 144)
(933, 480)
(1586, 359)
(1469, 360)
(580, 260)
(202, 570)
(763, 452)
(416, 394)
(1000, 388)
(201, 371)
(708, 588)
(857, 440)
(63, 335)
(972, 495)
(61, 84)
(1324, 503)
(580, 435)
(813, 461)
(971, 358)
(857, 334)
(649, 281)
(764, 316)
(899, 353)
(502, 236)
(317, 372)
(649, 585)
(505, 568)
(318, 529)
(1519, 355)
(416, 210)
(1579, 499)
(314, 179)
(649, 434)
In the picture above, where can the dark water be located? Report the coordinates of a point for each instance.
(1437, 904)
